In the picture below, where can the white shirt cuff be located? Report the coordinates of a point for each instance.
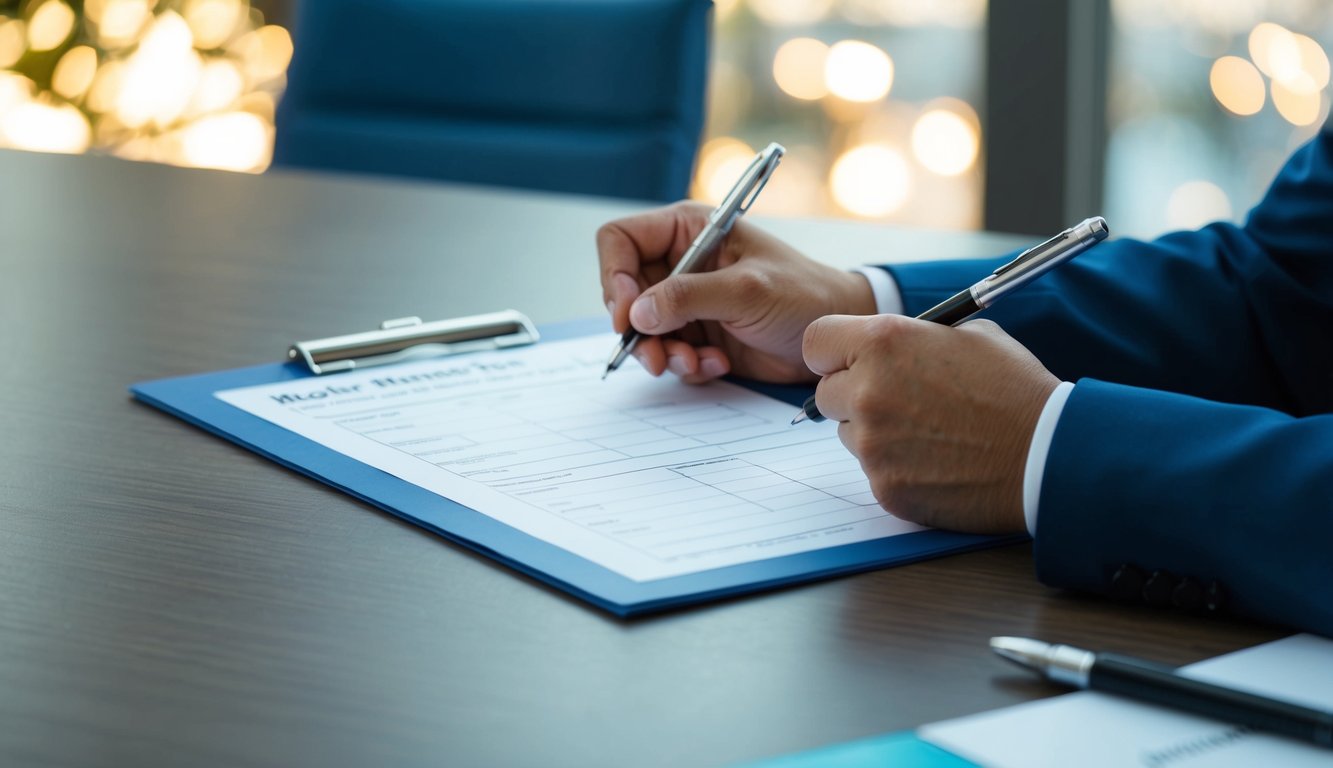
(1038, 450)
(888, 299)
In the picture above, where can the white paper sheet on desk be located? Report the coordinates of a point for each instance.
(648, 477)
(1092, 730)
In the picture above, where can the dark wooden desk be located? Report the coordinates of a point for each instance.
(170, 599)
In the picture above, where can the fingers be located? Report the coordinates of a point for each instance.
(835, 397)
(723, 295)
(626, 245)
(694, 365)
(832, 342)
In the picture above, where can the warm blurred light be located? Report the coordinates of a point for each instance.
(1314, 68)
(49, 25)
(141, 88)
(14, 89)
(871, 180)
(160, 77)
(1237, 85)
(721, 163)
(220, 85)
(74, 72)
(39, 127)
(213, 21)
(1299, 107)
(1196, 203)
(13, 42)
(791, 12)
(106, 87)
(797, 188)
(118, 22)
(798, 68)
(858, 71)
(1275, 51)
(260, 103)
(946, 142)
(266, 52)
(232, 141)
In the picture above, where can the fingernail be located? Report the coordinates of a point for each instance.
(676, 364)
(712, 367)
(638, 358)
(643, 313)
(611, 307)
(625, 287)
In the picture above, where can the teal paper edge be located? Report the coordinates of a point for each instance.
(897, 750)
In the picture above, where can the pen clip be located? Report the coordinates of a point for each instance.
(1031, 253)
(751, 183)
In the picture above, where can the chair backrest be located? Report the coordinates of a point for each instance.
(599, 97)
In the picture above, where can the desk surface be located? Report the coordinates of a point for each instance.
(171, 599)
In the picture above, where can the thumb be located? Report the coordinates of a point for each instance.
(832, 342)
(682, 299)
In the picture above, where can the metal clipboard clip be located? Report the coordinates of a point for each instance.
(407, 338)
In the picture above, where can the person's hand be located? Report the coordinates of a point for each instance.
(744, 311)
(940, 418)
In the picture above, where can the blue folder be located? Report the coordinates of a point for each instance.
(192, 399)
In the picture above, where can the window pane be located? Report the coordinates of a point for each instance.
(1207, 99)
(875, 100)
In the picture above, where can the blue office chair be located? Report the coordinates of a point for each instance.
(601, 97)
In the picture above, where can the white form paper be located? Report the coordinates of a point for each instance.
(647, 477)
(1093, 730)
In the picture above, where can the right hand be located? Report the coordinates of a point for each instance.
(744, 311)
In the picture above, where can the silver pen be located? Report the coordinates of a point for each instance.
(1026, 267)
(720, 221)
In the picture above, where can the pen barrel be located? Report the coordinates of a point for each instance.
(1162, 685)
(952, 310)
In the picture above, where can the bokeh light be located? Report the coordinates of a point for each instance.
(266, 52)
(233, 141)
(118, 23)
(1237, 85)
(721, 163)
(798, 68)
(160, 77)
(1196, 203)
(946, 138)
(42, 127)
(13, 41)
(49, 25)
(220, 85)
(858, 71)
(74, 72)
(1314, 63)
(1298, 107)
(1274, 50)
(798, 188)
(189, 82)
(871, 180)
(212, 21)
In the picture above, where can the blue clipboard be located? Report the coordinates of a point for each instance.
(192, 398)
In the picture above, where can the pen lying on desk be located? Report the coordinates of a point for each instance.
(1026, 267)
(1163, 686)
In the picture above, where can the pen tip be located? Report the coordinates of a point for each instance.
(800, 417)
(606, 373)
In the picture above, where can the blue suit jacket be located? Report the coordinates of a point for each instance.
(1193, 462)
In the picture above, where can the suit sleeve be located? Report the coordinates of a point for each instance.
(1193, 462)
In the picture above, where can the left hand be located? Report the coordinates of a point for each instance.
(940, 418)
